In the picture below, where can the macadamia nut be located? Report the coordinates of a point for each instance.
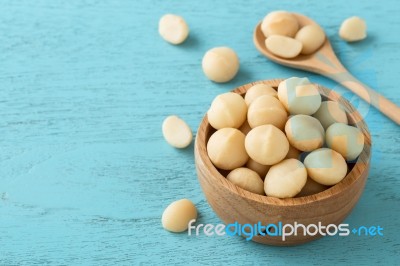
(326, 166)
(330, 112)
(173, 28)
(285, 179)
(227, 110)
(178, 214)
(266, 144)
(346, 140)
(261, 169)
(299, 96)
(257, 91)
(176, 132)
(312, 37)
(226, 149)
(305, 132)
(247, 179)
(279, 23)
(283, 46)
(353, 29)
(220, 64)
(266, 110)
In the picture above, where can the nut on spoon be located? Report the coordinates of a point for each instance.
(325, 62)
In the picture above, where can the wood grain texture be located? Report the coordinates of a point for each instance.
(85, 173)
(234, 204)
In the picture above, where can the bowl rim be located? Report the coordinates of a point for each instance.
(360, 166)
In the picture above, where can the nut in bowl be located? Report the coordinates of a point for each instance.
(235, 204)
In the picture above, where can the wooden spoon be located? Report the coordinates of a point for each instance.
(325, 62)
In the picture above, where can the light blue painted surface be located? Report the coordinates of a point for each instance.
(84, 171)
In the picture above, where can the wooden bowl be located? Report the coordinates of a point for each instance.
(234, 204)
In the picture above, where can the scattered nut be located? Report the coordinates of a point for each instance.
(353, 29)
(173, 28)
(178, 214)
(176, 132)
(220, 64)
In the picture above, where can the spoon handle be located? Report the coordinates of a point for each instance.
(381, 103)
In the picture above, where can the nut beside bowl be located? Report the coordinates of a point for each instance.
(234, 204)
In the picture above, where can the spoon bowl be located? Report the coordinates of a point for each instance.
(301, 61)
(325, 62)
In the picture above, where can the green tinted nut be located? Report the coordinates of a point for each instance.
(299, 96)
(305, 132)
(330, 112)
(326, 166)
(346, 140)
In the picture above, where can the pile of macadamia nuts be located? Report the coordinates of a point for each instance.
(286, 39)
(282, 143)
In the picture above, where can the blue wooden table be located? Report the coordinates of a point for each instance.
(85, 173)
